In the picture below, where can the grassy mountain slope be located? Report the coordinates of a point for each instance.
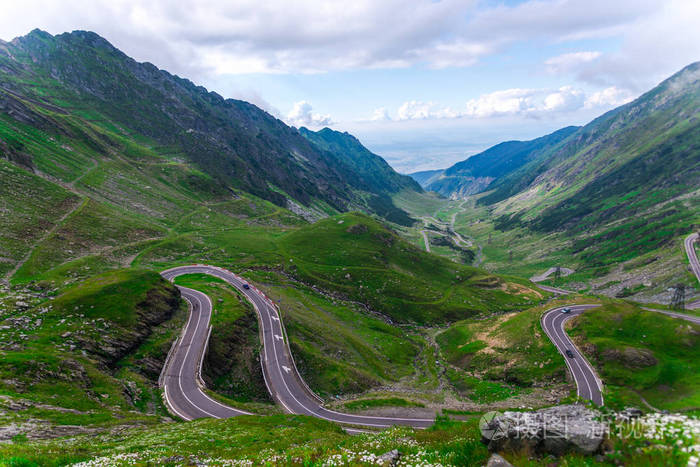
(362, 259)
(639, 131)
(376, 173)
(612, 201)
(30, 207)
(644, 354)
(88, 356)
(101, 197)
(424, 177)
(237, 144)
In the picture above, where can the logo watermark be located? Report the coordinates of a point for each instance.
(487, 428)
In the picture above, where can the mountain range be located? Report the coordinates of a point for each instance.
(238, 145)
(623, 185)
(476, 174)
(650, 142)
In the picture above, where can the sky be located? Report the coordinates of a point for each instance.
(423, 83)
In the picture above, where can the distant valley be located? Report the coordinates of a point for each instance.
(613, 196)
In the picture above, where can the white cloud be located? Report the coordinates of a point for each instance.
(652, 47)
(566, 98)
(517, 102)
(418, 110)
(276, 36)
(302, 114)
(508, 101)
(380, 114)
(570, 61)
(608, 97)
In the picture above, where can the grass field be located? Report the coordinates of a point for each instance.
(299, 440)
(363, 260)
(641, 259)
(643, 353)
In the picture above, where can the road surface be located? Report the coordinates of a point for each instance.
(588, 384)
(542, 277)
(554, 290)
(692, 257)
(425, 239)
(183, 387)
(694, 263)
(181, 376)
(672, 314)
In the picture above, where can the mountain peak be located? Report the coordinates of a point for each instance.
(39, 33)
(89, 37)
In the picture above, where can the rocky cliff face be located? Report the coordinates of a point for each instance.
(112, 346)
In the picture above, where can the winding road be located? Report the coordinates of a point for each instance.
(692, 256)
(693, 259)
(186, 397)
(181, 380)
(588, 384)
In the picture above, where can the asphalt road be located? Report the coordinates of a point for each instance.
(692, 256)
(181, 378)
(588, 384)
(695, 267)
(554, 290)
(692, 319)
(425, 239)
(183, 386)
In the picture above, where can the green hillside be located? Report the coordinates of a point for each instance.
(112, 171)
(80, 75)
(612, 201)
(364, 260)
(85, 195)
(376, 175)
(642, 354)
(90, 356)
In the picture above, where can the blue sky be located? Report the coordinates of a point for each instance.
(423, 83)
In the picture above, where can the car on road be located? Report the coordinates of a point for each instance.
(569, 353)
(246, 286)
(566, 310)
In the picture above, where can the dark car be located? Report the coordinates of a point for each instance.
(246, 286)
(569, 353)
(566, 310)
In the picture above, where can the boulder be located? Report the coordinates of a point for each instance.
(389, 458)
(555, 430)
(497, 461)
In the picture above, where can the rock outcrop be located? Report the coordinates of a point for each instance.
(497, 461)
(555, 430)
